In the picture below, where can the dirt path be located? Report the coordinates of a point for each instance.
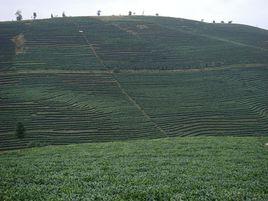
(53, 71)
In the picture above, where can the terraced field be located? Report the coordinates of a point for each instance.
(224, 102)
(70, 107)
(88, 79)
(134, 42)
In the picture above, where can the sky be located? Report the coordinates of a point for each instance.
(251, 12)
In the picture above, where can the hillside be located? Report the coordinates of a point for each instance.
(98, 79)
(134, 42)
(190, 168)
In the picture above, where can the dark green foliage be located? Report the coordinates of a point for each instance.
(190, 168)
(116, 70)
(20, 130)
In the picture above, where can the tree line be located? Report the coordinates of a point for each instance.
(19, 17)
(130, 13)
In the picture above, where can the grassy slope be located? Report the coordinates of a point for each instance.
(199, 168)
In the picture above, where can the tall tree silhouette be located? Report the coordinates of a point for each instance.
(18, 15)
(34, 15)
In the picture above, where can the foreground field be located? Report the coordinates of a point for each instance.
(190, 168)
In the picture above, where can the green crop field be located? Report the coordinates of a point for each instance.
(190, 168)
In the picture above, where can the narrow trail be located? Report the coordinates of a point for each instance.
(123, 91)
(192, 70)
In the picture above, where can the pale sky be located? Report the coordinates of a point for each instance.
(251, 12)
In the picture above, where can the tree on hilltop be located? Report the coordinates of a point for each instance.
(99, 12)
(63, 14)
(34, 15)
(18, 15)
(129, 13)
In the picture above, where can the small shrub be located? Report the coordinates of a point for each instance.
(116, 70)
(20, 130)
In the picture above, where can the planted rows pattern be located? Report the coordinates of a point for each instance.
(230, 102)
(131, 43)
(68, 108)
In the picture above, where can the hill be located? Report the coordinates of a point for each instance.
(97, 79)
(190, 168)
(134, 42)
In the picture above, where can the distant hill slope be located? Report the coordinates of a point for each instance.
(135, 42)
(98, 79)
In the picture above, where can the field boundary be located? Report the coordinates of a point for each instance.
(53, 71)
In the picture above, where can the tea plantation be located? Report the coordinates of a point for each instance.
(134, 42)
(190, 168)
(98, 79)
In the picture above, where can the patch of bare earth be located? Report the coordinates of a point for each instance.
(19, 42)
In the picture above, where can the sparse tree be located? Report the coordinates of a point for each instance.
(34, 15)
(230, 22)
(156, 14)
(63, 14)
(20, 130)
(129, 13)
(52, 16)
(202, 20)
(214, 21)
(222, 22)
(18, 15)
(99, 12)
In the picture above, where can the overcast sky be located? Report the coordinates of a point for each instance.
(252, 12)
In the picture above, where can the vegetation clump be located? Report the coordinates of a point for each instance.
(20, 130)
(18, 15)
